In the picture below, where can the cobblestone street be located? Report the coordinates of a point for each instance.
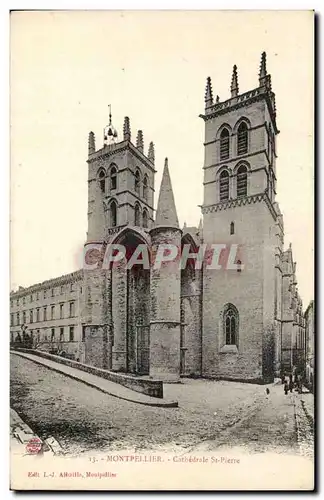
(211, 415)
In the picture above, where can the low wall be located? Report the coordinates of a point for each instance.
(152, 388)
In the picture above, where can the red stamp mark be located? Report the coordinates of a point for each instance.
(34, 446)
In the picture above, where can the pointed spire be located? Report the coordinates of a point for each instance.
(217, 99)
(139, 141)
(127, 130)
(166, 213)
(91, 143)
(264, 77)
(184, 225)
(109, 105)
(110, 133)
(234, 82)
(263, 68)
(151, 152)
(208, 93)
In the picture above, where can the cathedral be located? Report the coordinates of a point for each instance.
(245, 323)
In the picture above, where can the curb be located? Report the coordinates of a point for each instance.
(306, 448)
(157, 404)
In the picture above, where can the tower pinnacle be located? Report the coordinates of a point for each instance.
(264, 77)
(263, 68)
(139, 141)
(151, 153)
(166, 213)
(127, 130)
(91, 143)
(234, 82)
(208, 93)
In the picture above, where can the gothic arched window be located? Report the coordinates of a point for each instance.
(224, 144)
(145, 185)
(232, 228)
(113, 178)
(224, 186)
(137, 182)
(137, 215)
(231, 324)
(102, 181)
(242, 139)
(241, 186)
(145, 218)
(113, 214)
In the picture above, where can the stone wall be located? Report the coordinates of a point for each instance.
(152, 388)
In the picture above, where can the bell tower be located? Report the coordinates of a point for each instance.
(239, 211)
(120, 182)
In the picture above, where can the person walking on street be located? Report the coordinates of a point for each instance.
(286, 387)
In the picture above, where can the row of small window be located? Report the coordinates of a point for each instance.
(46, 293)
(141, 188)
(141, 218)
(242, 145)
(241, 183)
(35, 334)
(31, 315)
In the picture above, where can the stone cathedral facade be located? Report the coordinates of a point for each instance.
(242, 324)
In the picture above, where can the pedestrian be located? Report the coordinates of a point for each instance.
(283, 378)
(291, 385)
(286, 387)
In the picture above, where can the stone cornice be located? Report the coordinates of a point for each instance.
(238, 159)
(240, 101)
(61, 280)
(156, 229)
(237, 202)
(127, 191)
(117, 148)
(215, 140)
(107, 151)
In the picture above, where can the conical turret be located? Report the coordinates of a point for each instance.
(166, 213)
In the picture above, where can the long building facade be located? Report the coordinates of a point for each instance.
(239, 322)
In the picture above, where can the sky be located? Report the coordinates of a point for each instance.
(67, 67)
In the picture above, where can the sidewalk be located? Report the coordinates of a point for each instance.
(21, 435)
(99, 383)
(309, 403)
(304, 414)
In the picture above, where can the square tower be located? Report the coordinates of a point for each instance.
(120, 183)
(239, 329)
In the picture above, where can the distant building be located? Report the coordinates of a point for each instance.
(51, 312)
(240, 324)
(310, 344)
